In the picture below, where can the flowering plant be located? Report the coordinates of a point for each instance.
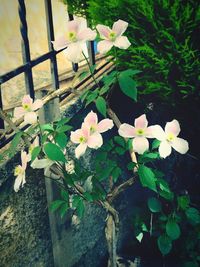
(102, 184)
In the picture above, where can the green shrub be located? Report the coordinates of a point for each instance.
(164, 36)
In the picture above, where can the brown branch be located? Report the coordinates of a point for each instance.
(117, 190)
(12, 126)
(9, 121)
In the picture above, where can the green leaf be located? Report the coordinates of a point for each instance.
(128, 86)
(64, 128)
(154, 204)
(63, 209)
(116, 173)
(53, 152)
(193, 215)
(164, 244)
(165, 191)
(101, 156)
(101, 105)
(151, 155)
(148, 157)
(155, 144)
(63, 121)
(84, 95)
(139, 237)
(130, 72)
(80, 209)
(129, 144)
(35, 153)
(147, 177)
(61, 139)
(104, 90)
(88, 196)
(105, 173)
(91, 97)
(56, 204)
(47, 127)
(77, 203)
(83, 75)
(120, 150)
(120, 141)
(65, 195)
(92, 68)
(183, 202)
(14, 143)
(173, 230)
(131, 166)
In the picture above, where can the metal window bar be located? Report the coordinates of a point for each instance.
(50, 35)
(26, 49)
(26, 68)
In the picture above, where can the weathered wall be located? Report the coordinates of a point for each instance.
(24, 225)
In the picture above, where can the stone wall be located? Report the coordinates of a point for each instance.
(24, 224)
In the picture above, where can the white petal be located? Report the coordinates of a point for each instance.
(122, 42)
(120, 27)
(180, 145)
(87, 35)
(80, 150)
(95, 140)
(37, 104)
(126, 130)
(41, 163)
(74, 25)
(91, 118)
(172, 127)
(30, 118)
(164, 149)
(158, 132)
(73, 52)
(18, 181)
(104, 46)
(19, 112)
(105, 125)
(76, 135)
(60, 43)
(104, 31)
(140, 145)
(141, 122)
(24, 159)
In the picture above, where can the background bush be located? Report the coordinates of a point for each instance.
(165, 38)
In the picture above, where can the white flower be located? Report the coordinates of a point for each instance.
(139, 132)
(28, 109)
(169, 138)
(76, 36)
(20, 172)
(112, 37)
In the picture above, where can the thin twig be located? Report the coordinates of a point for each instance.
(117, 190)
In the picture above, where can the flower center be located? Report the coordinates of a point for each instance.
(18, 170)
(26, 107)
(82, 139)
(92, 129)
(112, 36)
(140, 132)
(72, 36)
(170, 137)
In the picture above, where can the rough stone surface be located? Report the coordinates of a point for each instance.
(24, 225)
